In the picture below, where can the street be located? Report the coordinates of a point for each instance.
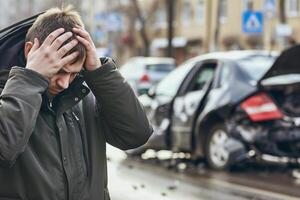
(150, 179)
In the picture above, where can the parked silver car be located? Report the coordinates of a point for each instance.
(144, 72)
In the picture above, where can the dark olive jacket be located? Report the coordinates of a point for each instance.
(57, 150)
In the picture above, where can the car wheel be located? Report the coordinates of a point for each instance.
(217, 154)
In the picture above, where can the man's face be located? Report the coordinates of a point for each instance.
(64, 77)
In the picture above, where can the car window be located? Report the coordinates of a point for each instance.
(224, 75)
(171, 83)
(203, 76)
(256, 66)
(159, 67)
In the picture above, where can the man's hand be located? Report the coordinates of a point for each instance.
(49, 58)
(92, 62)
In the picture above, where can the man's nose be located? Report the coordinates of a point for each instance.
(64, 82)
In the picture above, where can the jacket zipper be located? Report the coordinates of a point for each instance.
(75, 116)
(82, 141)
(50, 107)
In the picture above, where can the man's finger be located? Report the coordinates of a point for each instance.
(52, 36)
(69, 58)
(66, 48)
(85, 42)
(60, 40)
(35, 45)
(83, 34)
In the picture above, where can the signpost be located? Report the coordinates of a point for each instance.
(269, 9)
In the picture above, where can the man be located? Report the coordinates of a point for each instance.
(59, 111)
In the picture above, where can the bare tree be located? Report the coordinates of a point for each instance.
(143, 19)
(136, 12)
(170, 4)
(143, 32)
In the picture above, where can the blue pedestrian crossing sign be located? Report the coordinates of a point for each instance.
(253, 22)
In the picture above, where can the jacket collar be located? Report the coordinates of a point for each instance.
(68, 98)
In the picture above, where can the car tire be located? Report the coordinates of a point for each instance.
(217, 155)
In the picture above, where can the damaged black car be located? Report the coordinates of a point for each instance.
(228, 108)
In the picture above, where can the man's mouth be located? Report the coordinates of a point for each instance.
(54, 91)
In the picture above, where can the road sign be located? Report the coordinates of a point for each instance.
(283, 30)
(252, 22)
(269, 7)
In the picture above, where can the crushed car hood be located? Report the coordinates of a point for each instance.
(286, 64)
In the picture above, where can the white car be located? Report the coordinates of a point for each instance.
(144, 72)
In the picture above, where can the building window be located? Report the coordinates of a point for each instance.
(200, 12)
(223, 10)
(186, 13)
(292, 8)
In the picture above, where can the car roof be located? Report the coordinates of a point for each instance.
(233, 55)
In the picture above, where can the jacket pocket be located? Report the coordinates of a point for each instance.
(106, 194)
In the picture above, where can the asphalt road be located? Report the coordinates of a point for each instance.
(143, 179)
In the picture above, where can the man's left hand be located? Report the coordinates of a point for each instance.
(92, 62)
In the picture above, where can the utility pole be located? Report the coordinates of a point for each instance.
(283, 21)
(170, 4)
(282, 15)
(208, 22)
(217, 28)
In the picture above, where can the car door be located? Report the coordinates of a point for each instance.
(186, 105)
(159, 105)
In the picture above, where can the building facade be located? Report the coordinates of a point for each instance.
(215, 25)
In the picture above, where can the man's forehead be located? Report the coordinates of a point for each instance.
(74, 67)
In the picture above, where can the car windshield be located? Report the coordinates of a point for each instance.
(256, 66)
(171, 83)
(160, 67)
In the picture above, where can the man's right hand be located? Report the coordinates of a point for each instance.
(47, 59)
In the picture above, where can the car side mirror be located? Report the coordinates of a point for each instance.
(151, 92)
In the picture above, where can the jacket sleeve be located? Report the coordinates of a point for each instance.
(20, 102)
(122, 113)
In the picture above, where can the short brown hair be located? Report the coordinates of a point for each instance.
(55, 18)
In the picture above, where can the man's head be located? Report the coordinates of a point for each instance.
(45, 24)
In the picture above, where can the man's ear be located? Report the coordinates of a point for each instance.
(27, 47)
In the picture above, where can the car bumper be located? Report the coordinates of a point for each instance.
(277, 160)
(239, 153)
(142, 88)
(276, 142)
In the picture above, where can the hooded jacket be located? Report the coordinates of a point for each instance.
(57, 150)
